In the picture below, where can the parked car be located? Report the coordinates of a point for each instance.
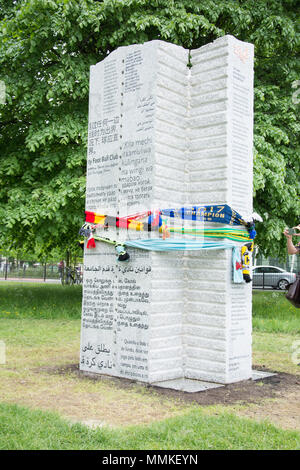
(271, 276)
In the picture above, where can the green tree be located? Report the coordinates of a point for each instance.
(46, 49)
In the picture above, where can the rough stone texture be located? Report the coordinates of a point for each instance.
(138, 329)
(217, 324)
(163, 135)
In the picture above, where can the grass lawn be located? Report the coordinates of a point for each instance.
(40, 325)
(273, 313)
(25, 429)
(33, 300)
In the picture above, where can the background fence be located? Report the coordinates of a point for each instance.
(11, 269)
(266, 274)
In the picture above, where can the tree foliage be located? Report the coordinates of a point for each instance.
(46, 49)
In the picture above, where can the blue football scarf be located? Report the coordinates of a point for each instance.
(223, 214)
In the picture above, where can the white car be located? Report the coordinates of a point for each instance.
(271, 276)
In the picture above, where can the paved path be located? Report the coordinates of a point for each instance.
(29, 279)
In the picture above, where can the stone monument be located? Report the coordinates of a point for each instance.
(168, 127)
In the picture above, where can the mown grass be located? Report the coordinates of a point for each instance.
(30, 300)
(34, 430)
(275, 351)
(273, 313)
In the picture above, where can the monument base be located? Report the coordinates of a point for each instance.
(192, 386)
(184, 384)
(260, 374)
(187, 385)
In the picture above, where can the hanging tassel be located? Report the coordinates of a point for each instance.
(166, 232)
(91, 242)
(237, 274)
(251, 229)
(155, 219)
(238, 265)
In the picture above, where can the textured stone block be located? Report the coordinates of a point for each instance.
(162, 134)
